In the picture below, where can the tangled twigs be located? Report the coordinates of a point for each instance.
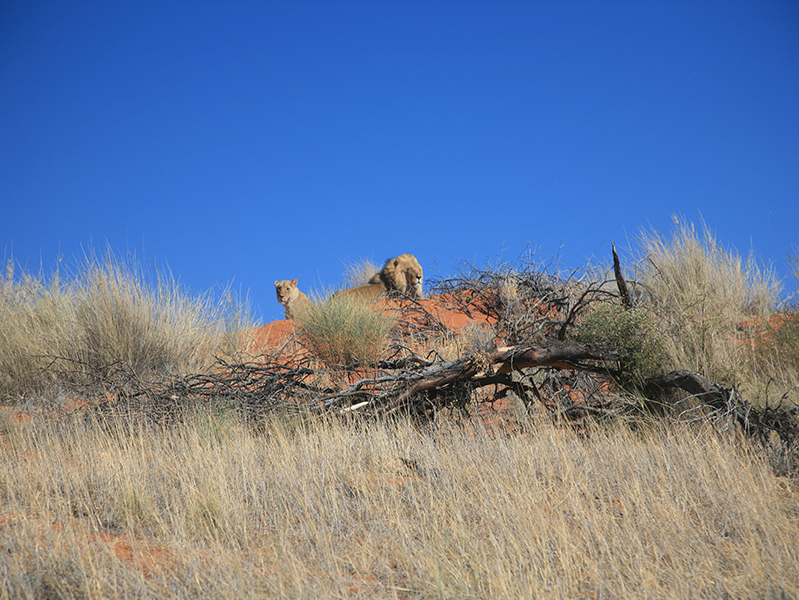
(554, 354)
(524, 302)
(272, 383)
(560, 355)
(523, 307)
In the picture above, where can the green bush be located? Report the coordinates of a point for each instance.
(344, 331)
(633, 332)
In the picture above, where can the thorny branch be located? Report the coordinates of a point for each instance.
(272, 383)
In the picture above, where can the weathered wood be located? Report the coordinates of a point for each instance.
(620, 283)
(554, 354)
(758, 423)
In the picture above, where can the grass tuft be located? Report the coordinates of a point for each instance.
(344, 331)
(360, 273)
(110, 321)
(703, 294)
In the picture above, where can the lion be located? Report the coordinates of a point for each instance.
(402, 275)
(289, 295)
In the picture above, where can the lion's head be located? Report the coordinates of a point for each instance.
(290, 296)
(404, 274)
(286, 291)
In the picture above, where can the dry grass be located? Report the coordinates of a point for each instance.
(706, 296)
(110, 320)
(342, 330)
(304, 509)
(359, 273)
(103, 506)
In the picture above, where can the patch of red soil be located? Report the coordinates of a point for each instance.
(15, 414)
(450, 312)
(578, 396)
(135, 551)
(758, 334)
(775, 322)
(494, 412)
(67, 406)
(446, 309)
(267, 337)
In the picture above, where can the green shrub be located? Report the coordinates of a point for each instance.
(344, 331)
(633, 332)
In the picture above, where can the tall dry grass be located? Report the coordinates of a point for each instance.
(110, 319)
(360, 272)
(706, 297)
(781, 339)
(307, 509)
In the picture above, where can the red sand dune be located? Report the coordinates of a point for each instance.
(269, 336)
(443, 308)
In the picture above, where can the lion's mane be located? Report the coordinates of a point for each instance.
(402, 274)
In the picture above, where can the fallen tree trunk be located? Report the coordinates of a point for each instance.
(272, 384)
(555, 354)
(759, 423)
(551, 353)
(709, 392)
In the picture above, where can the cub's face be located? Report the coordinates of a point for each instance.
(286, 291)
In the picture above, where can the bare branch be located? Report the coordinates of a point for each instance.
(625, 295)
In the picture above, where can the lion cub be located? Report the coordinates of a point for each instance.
(291, 297)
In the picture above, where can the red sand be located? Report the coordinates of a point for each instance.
(277, 333)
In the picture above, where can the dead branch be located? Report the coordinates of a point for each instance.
(759, 423)
(625, 295)
(273, 383)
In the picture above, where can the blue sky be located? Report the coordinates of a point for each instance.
(247, 142)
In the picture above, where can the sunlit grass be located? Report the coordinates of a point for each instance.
(359, 273)
(709, 301)
(209, 507)
(78, 333)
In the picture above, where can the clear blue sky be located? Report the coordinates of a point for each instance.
(254, 141)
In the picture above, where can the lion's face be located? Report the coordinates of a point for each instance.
(413, 280)
(405, 274)
(286, 291)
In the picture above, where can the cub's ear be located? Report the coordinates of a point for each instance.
(277, 283)
(293, 282)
